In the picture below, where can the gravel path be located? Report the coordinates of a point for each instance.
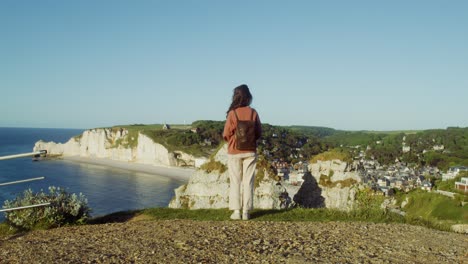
(185, 241)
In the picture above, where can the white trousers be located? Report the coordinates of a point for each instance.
(241, 176)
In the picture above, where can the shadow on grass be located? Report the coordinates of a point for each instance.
(258, 214)
(180, 214)
(118, 217)
(10, 233)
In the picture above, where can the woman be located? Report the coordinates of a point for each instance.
(241, 162)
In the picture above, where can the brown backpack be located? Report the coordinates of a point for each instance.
(245, 133)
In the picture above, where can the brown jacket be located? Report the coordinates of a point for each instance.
(231, 123)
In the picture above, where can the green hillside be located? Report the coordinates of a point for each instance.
(300, 143)
(436, 207)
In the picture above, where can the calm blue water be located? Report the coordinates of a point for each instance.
(107, 189)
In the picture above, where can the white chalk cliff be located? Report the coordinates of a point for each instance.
(113, 144)
(343, 179)
(211, 190)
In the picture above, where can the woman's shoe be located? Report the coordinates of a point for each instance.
(236, 215)
(245, 215)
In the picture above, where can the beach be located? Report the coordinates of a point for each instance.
(171, 172)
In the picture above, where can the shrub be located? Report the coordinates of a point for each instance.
(325, 181)
(368, 201)
(64, 209)
(264, 170)
(213, 165)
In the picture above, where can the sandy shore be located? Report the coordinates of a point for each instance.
(172, 172)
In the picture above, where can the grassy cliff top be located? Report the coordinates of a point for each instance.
(334, 154)
(176, 138)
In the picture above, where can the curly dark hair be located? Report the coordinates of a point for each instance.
(241, 97)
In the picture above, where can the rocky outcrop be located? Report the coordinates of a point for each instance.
(211, 190)
(460, 228)
(330, 184)
(149, 152)
(203, 191)
(333, 185)
(115, 144)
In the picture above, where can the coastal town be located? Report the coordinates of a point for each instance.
(383, 179)
(286, 153)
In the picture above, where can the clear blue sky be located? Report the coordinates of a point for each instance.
(353, 65)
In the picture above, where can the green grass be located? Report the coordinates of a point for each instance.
(334, 154)
(393, 132)
(292, 215)
(171, 139)
(140, 127)
(7, 230)
(213, 165)
(295, 214)
(289, 215)
(449, 185)
(152, 126)
(436, 207)
(424, 209)
(199, 215)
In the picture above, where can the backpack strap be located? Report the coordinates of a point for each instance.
(236, 115)
(251, 115)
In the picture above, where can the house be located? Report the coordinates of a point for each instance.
(166, 127)
(195, 130)
(283, 173)
(296, 178)
(391, 169)
(458, 169)
(387, 191)
(401, 183)
(438, 147)
(207, 142)
(426, 185)
(406, 149)
(393, 182)
(462, 185)
(383, 182)
(453, 172)
(419, 180)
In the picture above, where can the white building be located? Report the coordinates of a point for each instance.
(462, 185)
(453, 172)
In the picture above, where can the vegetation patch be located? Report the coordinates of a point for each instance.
(198, 214)
(334, 154)
(8, 230)
(180, 140)
(433, 206)
(77, 138)
(213, 165)
(294, 214)
(128, 141)
(325, 181)
(264, 169)
(64, 209)
(184, 201)
(449, 185)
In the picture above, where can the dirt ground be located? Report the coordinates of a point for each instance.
(186, 241)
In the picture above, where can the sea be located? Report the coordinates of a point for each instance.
(107, 189)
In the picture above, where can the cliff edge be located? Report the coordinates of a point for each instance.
(119, 145)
